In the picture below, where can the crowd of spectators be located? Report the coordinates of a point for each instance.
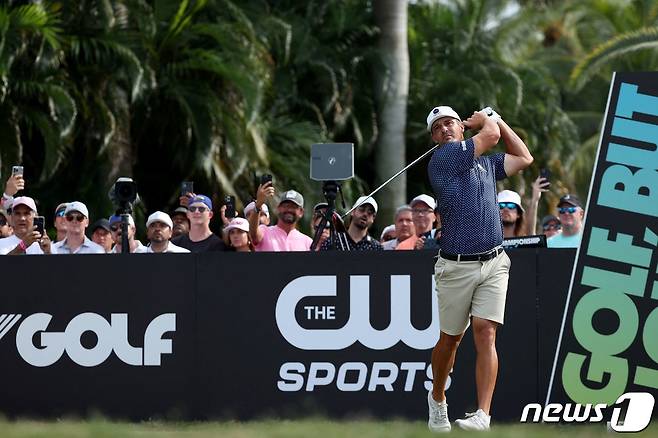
(186, 228)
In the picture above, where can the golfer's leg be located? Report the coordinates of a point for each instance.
(443, 359)
(486, 364)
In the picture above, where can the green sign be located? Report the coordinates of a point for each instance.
(608, 343)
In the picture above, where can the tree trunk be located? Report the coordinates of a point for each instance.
(392, 93)
(120, 152)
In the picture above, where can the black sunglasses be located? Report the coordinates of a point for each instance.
(3, 221)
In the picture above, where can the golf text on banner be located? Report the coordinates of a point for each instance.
(607, 344)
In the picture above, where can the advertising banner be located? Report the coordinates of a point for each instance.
(608, 344)
(231, 335)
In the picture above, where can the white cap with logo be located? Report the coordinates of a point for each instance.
(366, 200)
(76, 206)
(440, 112)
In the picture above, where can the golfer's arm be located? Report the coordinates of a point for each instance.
(517, 155)
(487, 138)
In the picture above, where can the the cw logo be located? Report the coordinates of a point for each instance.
(358, 326)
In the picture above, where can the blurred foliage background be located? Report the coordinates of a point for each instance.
(220, 92)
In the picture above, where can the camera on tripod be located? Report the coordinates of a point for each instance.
(330, 163)
(123, 195)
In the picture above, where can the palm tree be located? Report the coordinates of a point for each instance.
(106, 76)
(630, 31)
(322, 53)
(37, 110)
(392, 92)
(581, 44)
(200, 113)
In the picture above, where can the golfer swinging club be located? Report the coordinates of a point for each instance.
(472, 269)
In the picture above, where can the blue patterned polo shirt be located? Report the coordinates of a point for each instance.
(465, 188)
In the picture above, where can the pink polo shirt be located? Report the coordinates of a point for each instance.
(276, 239)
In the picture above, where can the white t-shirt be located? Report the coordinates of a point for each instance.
(8, 244)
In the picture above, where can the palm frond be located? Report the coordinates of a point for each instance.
(620, 45)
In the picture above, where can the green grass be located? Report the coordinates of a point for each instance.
(310, 428)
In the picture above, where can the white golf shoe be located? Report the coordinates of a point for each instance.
(438, 413)
(477, 420)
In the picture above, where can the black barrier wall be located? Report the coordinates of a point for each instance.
(249, 335)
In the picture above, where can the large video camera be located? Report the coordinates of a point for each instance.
(123, 195)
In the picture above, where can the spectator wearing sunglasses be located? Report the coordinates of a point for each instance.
(75, 241)
(511, 213)
(550, 225)
(60, 222)
(115, 228)
(5, 225)
(200, 238)
(571, 214)
(424, 219)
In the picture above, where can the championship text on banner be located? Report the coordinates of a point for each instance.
(608, 343)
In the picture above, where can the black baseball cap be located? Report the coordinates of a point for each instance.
(100, 223)
(571, 200)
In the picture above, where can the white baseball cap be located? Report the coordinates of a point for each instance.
(440, 112)
(510, 196)
(238, 223)
(26, 201)
(76, 206)
(427, 199)
(367, 200)
(159, 216)
(387, 229)
(252, 206)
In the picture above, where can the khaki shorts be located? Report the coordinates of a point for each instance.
(471, 288)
